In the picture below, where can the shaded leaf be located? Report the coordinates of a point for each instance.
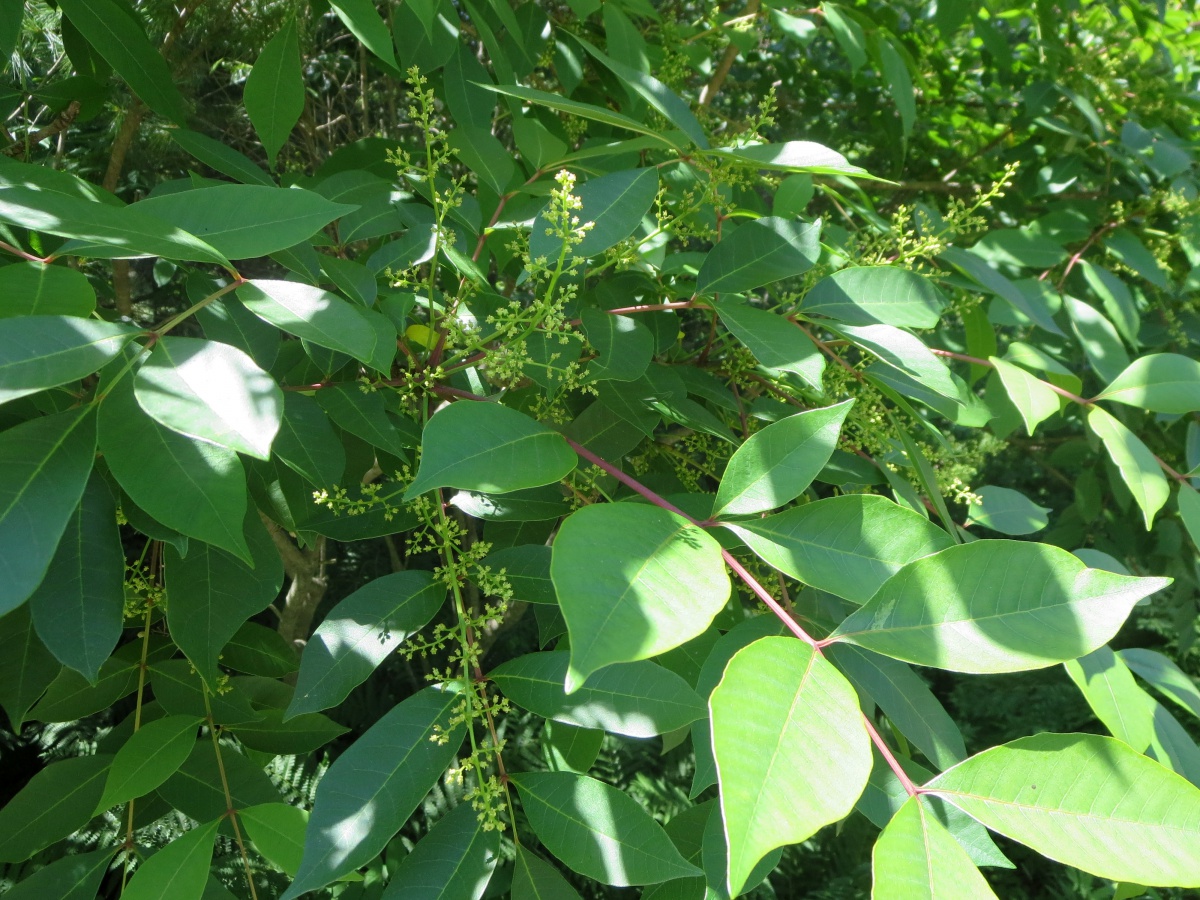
(760, 252)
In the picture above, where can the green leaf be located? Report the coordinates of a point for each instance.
(714, 856)
(483, 154)
(274, 92)
(313, 314)
(151, 755)
(79, 607)
(213, 592)
(1125, 246)
(277, 831)
(244, 221)
(363, 415)
(191, 486)
(70, 696)
(597, 830)
(569, 748)
(1099, 339)
(792, 752)
(221, 157)
(1138, 467)
(1087, 801)
(633, 581)
(361, 632)
(372, 788)
(44, 468)
(916, 857)
(847, 545)
(270, 733)
(759, 252)
(774, 341)
(865, 295)
(614, 204)
(179, 871)
(1116, 298)
(211, 391)
(491, 448)
(624, 345)
(527, 568)
(1020, 247)
(1160, 382)
(583, 110)
(76, 877)
(995, 283)
(454, 861)
(258, 650)
(227, 321)
(1121, 706)
(995, 606)
(39, 352)
(536, 879)
(37, 289)
(361, 18)
(900, 85)
(775, 465)
(115, 33)
(27, 668)
(905, 352)
(198, 789)
(792, 156)
(307, 443)
(56, 802)
(1007, 511)
(636, 699)
(1165, 676)
(1033, 398)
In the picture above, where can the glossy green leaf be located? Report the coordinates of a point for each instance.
(271, 733)
(491, 448)
(1121, 706)
(454, 861)
(191, 486)
(916, 858)
(1160, 382)
(536, 879)
(37, 289)
(306, 441)
(56, 802)
(637, 699)
(993, 282)
(624, 345)
(759, 252)
(114, 32)
(227, 321)
(597, 830)
(527, 568)
(791, 156)
(1125, 246)
(27, 668)
(277, 831)
(569, 748)
(899, 82)
(361, 632)
(39, 352)
(361, 17)
(76, 877)
(774, 341)
(1007, 511)
(847, 545)
(775, 465)
(865, 295)
(1099, 339)
(179, 871)
(363, 415)
(1020, 247)
(198, 789)
(1033, 398)
(274, 93)
(44, 468)
(1138, 467)
(213, 592)
(995, 606)
(633, 581)
(1087, 801)
(902, 350)
(258, 650)
(221, 157)
(792, 752)
(1116, 299)
(614, 204)
(210, 391)
(244, 221)
(313, 314)
(78, 608)
(373, 787)
(148, 758)
(582, 110)
(1165, 676)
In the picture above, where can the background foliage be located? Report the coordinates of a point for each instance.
(474, 449)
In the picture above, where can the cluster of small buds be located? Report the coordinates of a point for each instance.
(338, 500)
(142, 592)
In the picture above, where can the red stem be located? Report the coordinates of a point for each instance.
(886, 752)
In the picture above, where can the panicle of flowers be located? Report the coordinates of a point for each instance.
(142, 591)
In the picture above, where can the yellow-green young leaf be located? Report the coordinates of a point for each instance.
(1087, 801)
(1034, 400)
(776, 464)
(44, 468)
(598, 831)
(39, 352)
(633, 581)
(151, 755)
(372, 788)
(210, 391)
(1137, 465)
(847, 545)
(277, 831)
(1161, 382)
(759, 252)
(359, 633)
(615, 204)
(536, 879)
(75, 877)
(491, 448)
(865, 295)
(274, 93)
(56, 802)
(637, 699)
(454, 861)
(792, 752)
(916, 858)
(995, 606)
(774, 341)
(179, 871)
